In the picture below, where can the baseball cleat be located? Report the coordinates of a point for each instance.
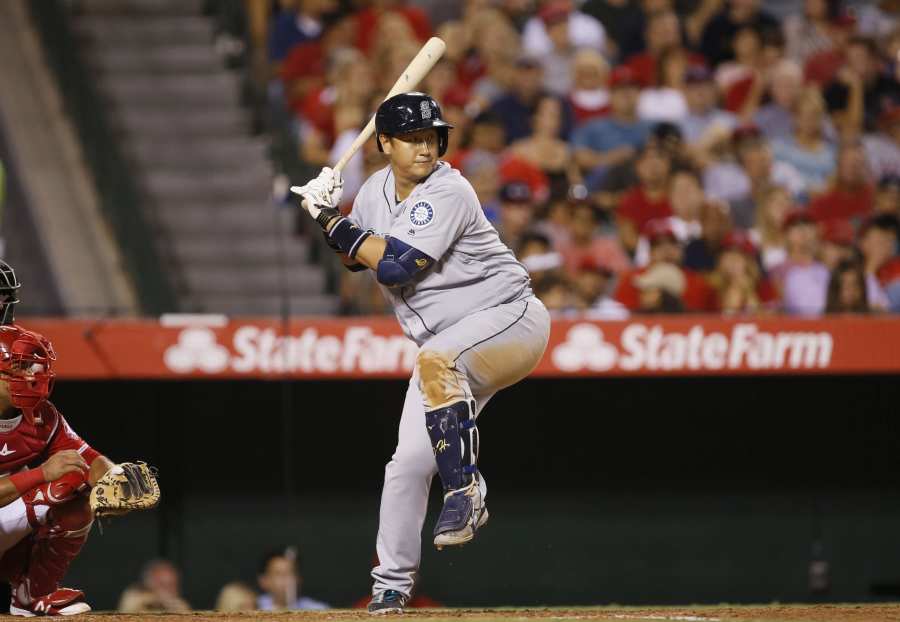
(388, 601)
(63, 602)
(463, 514)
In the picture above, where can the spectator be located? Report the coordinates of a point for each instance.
(744, 185)
(665, 249)
(516, 108)
(666, 102)
(537, 255)
(593, 282)
(305, 68)
(861, 92)
(649, 199)
(558, 296)
(716, 42)
(546, 150)
(883, 147)
(489, 67)
(623, 22)
(877, 19)
(700, 254)
(298, 22)
(809, 33)
(802, 279)
(516, 212)
(660, 289)
(768, 232)
(686, 198)
(586, 244)
(887, 200)
(776, 118)
(337, 107)
(663, 34)
(555, 18)
(582, 30)
(482, 169)
(837, 243)
(850, 194)
(807, 149)
(159, 589)
(604, 143)
(847, 289)
(369, 21)
(705, 121)
(589, 97)
(236, 596)
(556, 216)
(739, 286)
(822, 67)
(281, 583)
(737, 78)
(878, 245)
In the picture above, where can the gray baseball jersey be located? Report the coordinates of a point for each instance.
(442, 217)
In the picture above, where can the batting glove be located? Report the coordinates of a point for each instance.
(321, 196)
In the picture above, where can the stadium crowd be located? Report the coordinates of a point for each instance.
(639, 156)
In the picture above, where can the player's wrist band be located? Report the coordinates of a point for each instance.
(347, 235)
(26, 480)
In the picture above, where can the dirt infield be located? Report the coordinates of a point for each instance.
(723, 613)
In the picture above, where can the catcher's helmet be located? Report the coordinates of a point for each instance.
(8, 298)
(26, 364)
(409, 112)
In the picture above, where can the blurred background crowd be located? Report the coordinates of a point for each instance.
(278, 586)
(639, 156)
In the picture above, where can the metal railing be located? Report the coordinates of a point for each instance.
(119, 193)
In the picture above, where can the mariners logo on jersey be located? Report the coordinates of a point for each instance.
(421, 214)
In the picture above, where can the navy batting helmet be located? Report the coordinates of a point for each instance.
(409, 112)
(9, 285)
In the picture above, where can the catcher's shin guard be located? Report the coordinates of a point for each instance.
(55, 545)
(454, 439)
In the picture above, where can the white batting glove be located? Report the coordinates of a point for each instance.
(322, 192)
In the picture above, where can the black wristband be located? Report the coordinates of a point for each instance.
(347, 235)
(325, 216)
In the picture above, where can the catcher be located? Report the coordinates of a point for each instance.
(52, 483)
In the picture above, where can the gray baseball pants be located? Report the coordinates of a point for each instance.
(472, 360)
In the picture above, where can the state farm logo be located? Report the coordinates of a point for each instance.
(196, 349)
(254, 349)
(642, 347)
(584, 348)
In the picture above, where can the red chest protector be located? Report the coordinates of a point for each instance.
(25, 443)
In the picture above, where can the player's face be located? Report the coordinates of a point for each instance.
(5, 398)
(414, 154)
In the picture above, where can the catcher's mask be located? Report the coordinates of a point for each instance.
(26, 364)
(9, 284)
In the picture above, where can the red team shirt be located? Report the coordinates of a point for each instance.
(28, 445)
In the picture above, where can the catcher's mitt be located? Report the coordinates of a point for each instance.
(125, 487)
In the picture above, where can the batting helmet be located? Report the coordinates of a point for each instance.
(409, 112)
(8, 298)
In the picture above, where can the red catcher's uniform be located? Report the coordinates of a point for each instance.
(26, 445)
(27, 526)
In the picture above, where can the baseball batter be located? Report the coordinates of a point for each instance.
(460, 294)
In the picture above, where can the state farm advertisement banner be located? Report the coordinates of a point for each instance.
(218, 347)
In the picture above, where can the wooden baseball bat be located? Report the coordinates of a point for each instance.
(417, 69)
